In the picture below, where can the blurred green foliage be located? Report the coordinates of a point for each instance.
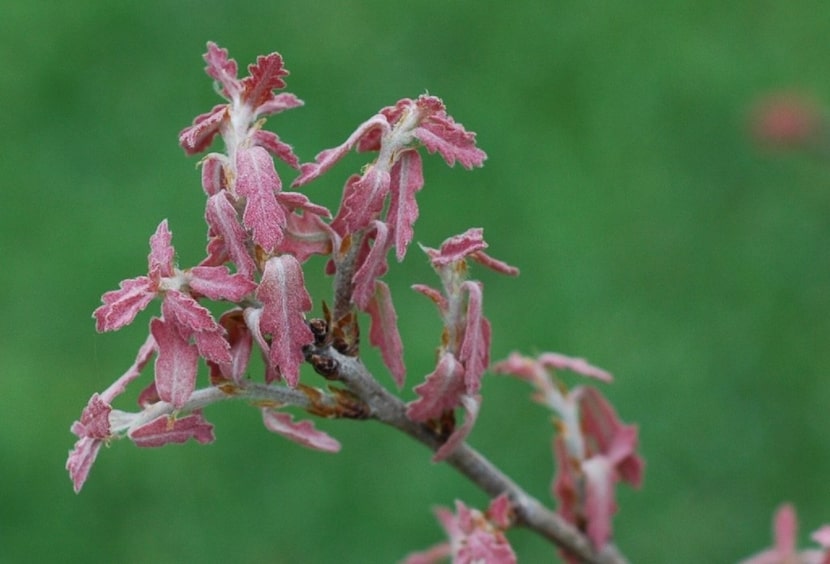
(654, 239)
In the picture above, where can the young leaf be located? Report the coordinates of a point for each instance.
(301, 432)
(285, 301)
(222, 69)
(222, 219)
(475, 348)
(441, 391)
(384, 332)
(258, 182)
(407, 179)
(168, 429)
(176, 363)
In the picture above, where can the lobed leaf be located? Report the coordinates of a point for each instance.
(222, 69)
(223, 221)
(176, 363)
(301, 432)
(372, 266)
(162, 253)
(266, 75)
(168, 429)
(213, 173)
(329, 157)
(278, 103)
(285, 301)
(362, 202)
(475, 347)
(407, 178)
(271, 142)
(384, 332)
(441, 391)
(200, 135)
(122, 305)
(217, 283)
(80, 460)
(258, 182)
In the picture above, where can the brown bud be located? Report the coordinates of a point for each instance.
(325, 366)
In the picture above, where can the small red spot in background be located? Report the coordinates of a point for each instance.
(786, 120)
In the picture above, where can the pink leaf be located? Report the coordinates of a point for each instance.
(785, 549)
(473, 538)
(363, 199)
(458, 247)
(612, 438)
(459, 435)
(199, 136)
(162, 253)
(213, 174)
(579, 365)
(148, 396)
(384, 332)
(822, 537)
(258, 182)
(433, 294)
(440, 392)
(212, 346)
(296, 201)
(600, 480)
(786, 530)
(306, 235)
(500, 512)
(494, 264)
(223, 221)
(169, 429)
(407, 179)
(186, 315)
(439, 132)
(302, 432)
(241, 344)
(475, 348)
(95, 422)
(122, 305)
(328, 158)
(285, 299)
(253, 316)
(278, 103)
(175, 365)
(518, 365)
(372, 267)
(80, 460)
(217, 283)
(265, 76)
(222, 69)
(271, 143)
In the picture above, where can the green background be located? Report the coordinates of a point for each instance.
(654, 239)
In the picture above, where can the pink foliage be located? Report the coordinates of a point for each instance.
(594, 450)
(384, 331)
(302, 432)
(172, 430)
(464, 354)
(259, 241)
(785, 547)
(257, 182)
(285, 301)
(474, 536)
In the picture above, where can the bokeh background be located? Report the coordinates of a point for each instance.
(654, 236)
